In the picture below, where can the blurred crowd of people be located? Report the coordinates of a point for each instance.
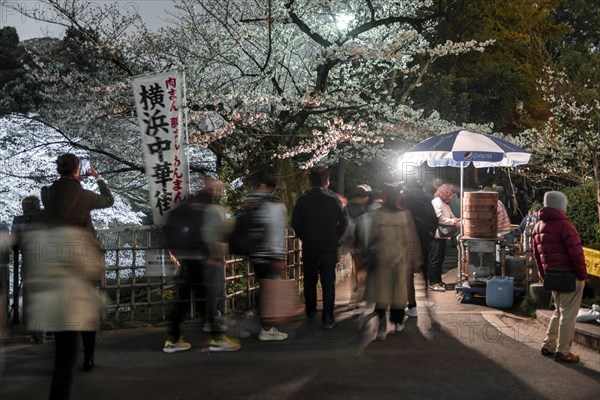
(391, 234)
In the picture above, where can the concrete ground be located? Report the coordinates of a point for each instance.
(451, 350)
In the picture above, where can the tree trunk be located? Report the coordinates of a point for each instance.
(341, 173)
(291, 183)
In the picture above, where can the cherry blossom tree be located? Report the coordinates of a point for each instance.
(285, 79)
(279, 84)
(28, 152)
(568, 143)
(272, 84)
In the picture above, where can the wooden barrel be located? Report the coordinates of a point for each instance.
(480, 215)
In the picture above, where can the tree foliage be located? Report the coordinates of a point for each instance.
(567, 144)
(281, 84)
(267, 81)
(17, 85)
(275, 80)
(492, 86)
(28, 151)
(583, 213)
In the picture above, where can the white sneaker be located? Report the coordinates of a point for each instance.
(411, 312)
(437, 287)
(399, 327)
(271, 334)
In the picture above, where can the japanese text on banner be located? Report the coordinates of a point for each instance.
(159, 100)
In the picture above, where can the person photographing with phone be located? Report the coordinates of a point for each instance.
(66, 201)
(85, 168)
(63, 288)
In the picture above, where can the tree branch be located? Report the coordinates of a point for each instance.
(304, 27)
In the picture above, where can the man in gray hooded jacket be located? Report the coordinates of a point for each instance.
(268, 258)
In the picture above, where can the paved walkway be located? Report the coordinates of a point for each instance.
(452, 350)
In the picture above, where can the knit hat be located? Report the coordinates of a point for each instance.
(556, 199)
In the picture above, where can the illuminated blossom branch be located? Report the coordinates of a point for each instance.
(336, 132)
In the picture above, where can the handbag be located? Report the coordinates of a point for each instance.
(279, 301)
(447, 231)
(563, 281)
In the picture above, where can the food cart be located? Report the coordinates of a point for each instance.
(479, 257)
(484, 257)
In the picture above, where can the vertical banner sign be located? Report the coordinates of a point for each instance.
(159, 104)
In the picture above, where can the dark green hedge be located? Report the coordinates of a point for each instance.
(583, 213)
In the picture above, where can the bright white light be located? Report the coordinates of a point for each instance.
(342, 21)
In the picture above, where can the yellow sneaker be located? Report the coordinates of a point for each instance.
(224, 343)
(180, 345)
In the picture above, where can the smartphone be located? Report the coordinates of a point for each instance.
(84, 166)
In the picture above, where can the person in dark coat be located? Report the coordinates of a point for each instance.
(357, 206)
(67, 204)
(426, 221)
(31, 213)
(319, 221)
(205, 270)
(557, 246)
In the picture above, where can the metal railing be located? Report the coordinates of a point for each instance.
(131, 294)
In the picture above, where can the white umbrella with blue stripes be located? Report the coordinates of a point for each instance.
(461, 148)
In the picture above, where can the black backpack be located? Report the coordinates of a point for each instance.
(247, 234)
(183, 231)
(249, 230)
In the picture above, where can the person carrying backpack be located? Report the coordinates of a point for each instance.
(268, 255)
(203, 267)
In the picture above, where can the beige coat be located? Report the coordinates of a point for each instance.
(394, 241)
(61, 267)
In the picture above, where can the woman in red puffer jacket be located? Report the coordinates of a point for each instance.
(557, 246)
